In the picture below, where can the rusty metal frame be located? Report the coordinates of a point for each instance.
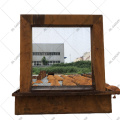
(95, 22)
(57, 101)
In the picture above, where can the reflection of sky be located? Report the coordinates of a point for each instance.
(76, 39)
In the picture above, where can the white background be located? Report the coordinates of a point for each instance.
(10, 11)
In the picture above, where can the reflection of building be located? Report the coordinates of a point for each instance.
(85, 57)
(54, 53)
(78, 59)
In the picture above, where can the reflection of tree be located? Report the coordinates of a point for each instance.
(44, 61)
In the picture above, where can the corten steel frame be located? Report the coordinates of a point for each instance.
(95, 22)
(67, 100)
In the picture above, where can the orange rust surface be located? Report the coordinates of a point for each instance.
(50, 77)
(113, 88)
(81, 80)
(35, 85)
(50, 80)
(53, 80)
(55, 83)
(58, 78)
(68, 82)
(73, 80)
(38, 81)
(76, 80)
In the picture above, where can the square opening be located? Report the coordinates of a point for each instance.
(61, 58)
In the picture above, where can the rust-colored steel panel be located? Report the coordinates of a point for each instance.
(62, 104)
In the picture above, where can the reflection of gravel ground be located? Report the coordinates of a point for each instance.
(60, 83)
(45, 82)
(34, 80)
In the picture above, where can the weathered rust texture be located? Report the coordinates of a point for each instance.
(62, 104)
(97, 46)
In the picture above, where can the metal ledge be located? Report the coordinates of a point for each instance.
(64, 93)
